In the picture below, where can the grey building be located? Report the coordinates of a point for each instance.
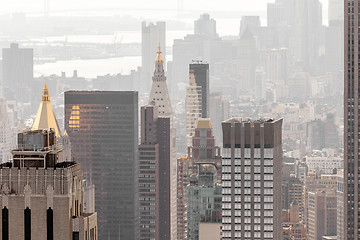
(201, 72)
(251, 179)
(151, 35)
(205, 26)
(17, 72)
(103, 130)
(203, 199)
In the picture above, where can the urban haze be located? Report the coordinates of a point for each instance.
(179, 120)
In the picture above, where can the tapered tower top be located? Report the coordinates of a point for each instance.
(45, 118)
(159, 58)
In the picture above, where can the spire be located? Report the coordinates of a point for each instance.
(45, 93)
(45, 117)
(159, 57)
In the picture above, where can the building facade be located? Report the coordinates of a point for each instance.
(41, 197)
(154, 176)
(201, 73)
(103, 130)
(251, 179)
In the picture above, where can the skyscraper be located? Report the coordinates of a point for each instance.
(17, 72)
(205, 26)
(41, 197)
(159, 97)
(201, 73)
(351, 121)
(154, 176)
(193, 107)
(103, 129)
(251, 179)
(5, 132)
(152, 34)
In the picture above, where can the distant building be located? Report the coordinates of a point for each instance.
(293, 228)
(203, 150)
(340, 205)
(17, 72)
(219, 111)
(152, 34)
(203, 200)
(160, 98)
(103, 130)
(193, 107)
(322, 209)
(6, 137)
(201, 74)
(260, 84)
(251, 179)
(251, 22)
(154, 176)
(205, 26)
(324, 162)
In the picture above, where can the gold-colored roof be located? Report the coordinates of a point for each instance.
(203, 124)
(159, 58)
(45, 117)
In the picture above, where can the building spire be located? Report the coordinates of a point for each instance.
(159, 58)
(45, 93)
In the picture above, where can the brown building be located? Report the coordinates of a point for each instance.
(41, 197)
(103, 130)
(203, 150)
(322, 214)
(251, 179)
(351, 119)
(154, 176)
(293, 227)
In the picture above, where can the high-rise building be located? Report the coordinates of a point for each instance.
(154, 176)
(218, 112)
(42, 197)
(322, 214)
(340, 205)
(17, 72)
(251, 22)
(335, 10)
(6, 137)
(203, 150)
(152, 34)
(103, 129)
(160, 98)
(205, 26)
(203, 199)
(351, 121)
(293, 228)
(201, 73)
(193, 107)
(251, 179)
(260, 84)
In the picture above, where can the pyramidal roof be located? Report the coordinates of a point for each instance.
(45, 117)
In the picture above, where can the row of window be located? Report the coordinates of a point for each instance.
(247, 162)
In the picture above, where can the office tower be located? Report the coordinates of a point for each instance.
(203, 200)
(340, 205)
(205, 26)
(251, 22)
(351, 121)
(17, 72)
(5, 132)
(154, 176)
(151, 34)
(219, 111)
(251, 179)
(45, 117)
(248, 58)
(322, 214)
(276, 66)
(160, 98)
(260, 84)
(201, 73)
(292, 225)
(203, 150)
(335, 10)
(42, 198)
(103, 129)
(193, 107)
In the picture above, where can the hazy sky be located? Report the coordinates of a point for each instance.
(8, 6)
